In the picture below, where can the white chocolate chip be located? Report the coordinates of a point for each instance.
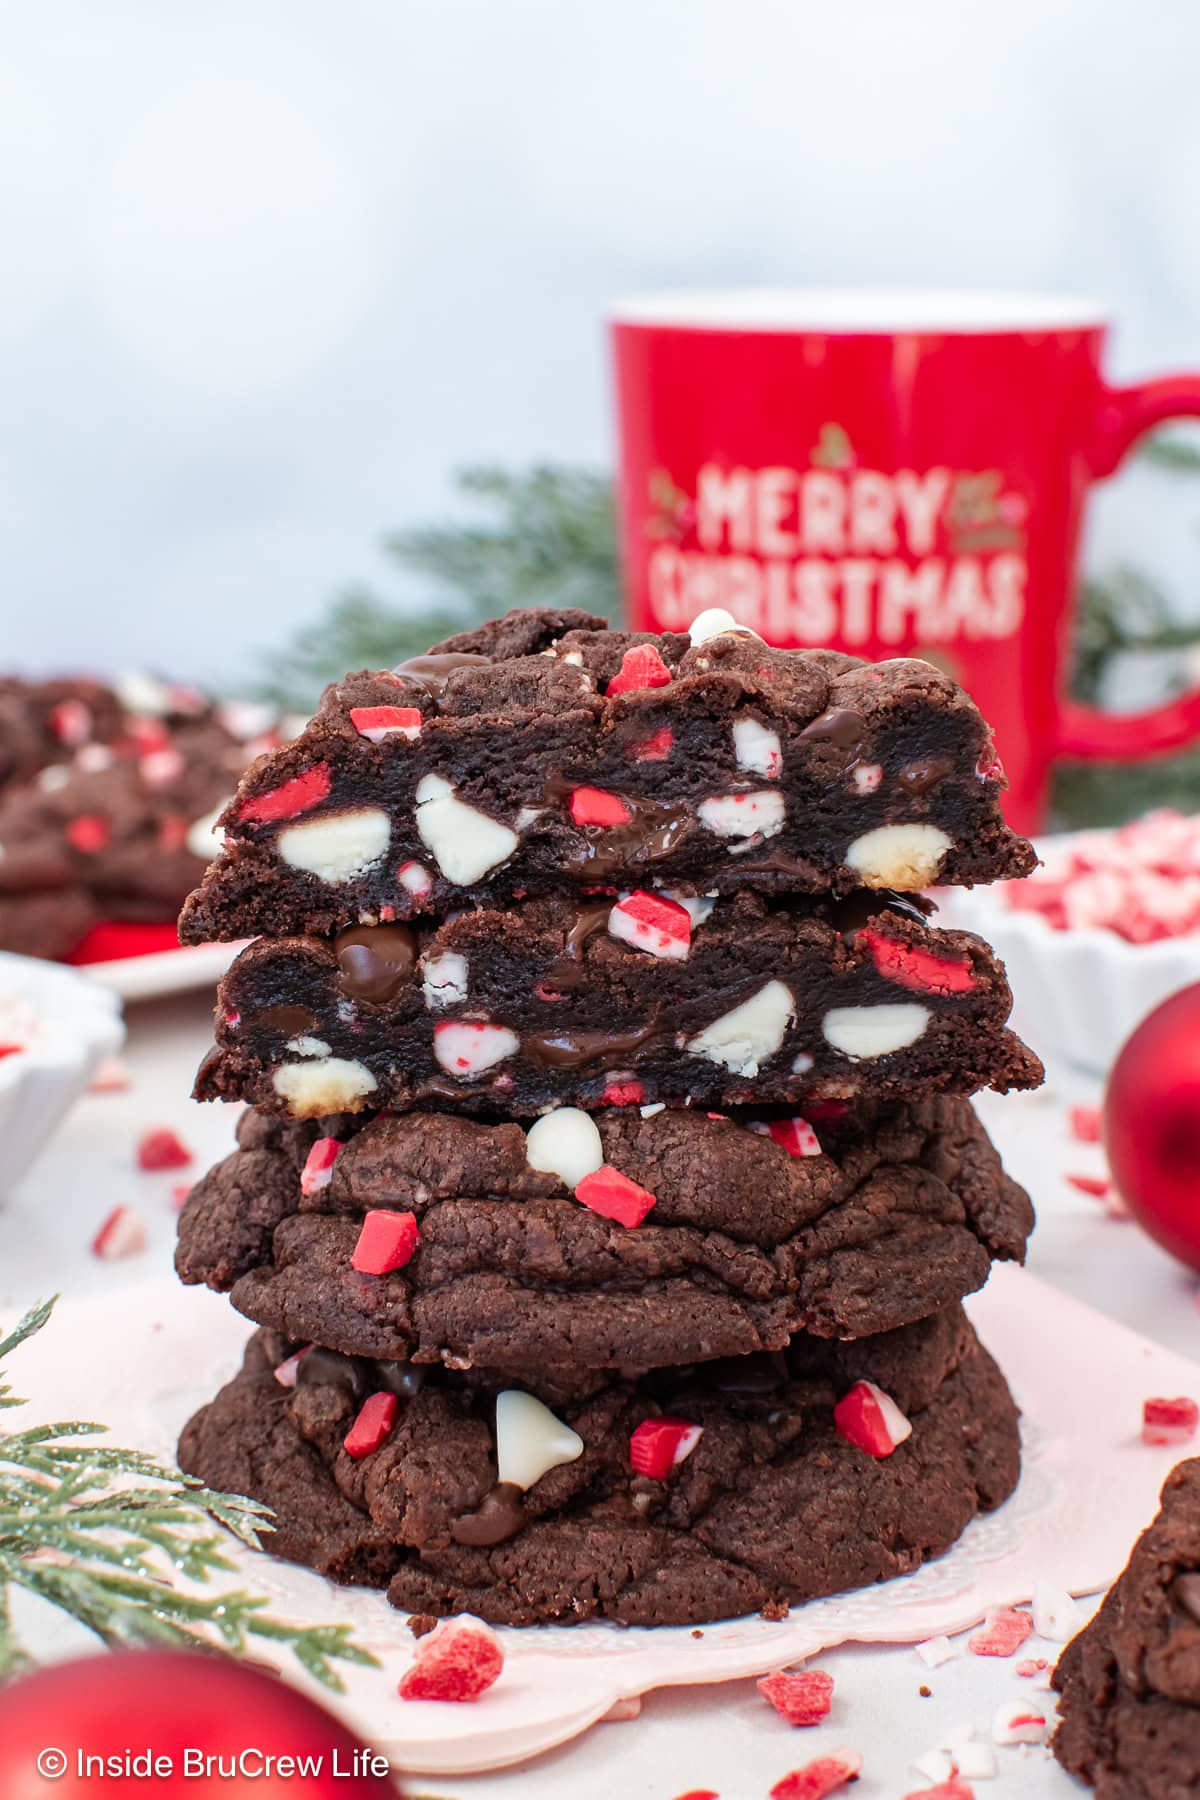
(713, 622)
(465, 1048)
(465, 842)
(869, 1031)
(529, 815)
(899, 856)
(330, 1085)
(530, 1441)
(53, 777)
(749, 1035)
(565, 1143)
(444, 979)
(203, 840)
(142, 693)
(757, 748)
(743, 815)
(655, 1107)
(697, 906)
(337, 846)
(802, 1062)
(1055, 1614)
(309, 1046)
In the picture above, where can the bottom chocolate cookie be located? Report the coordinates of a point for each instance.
(688, 1495)
(1129, 1716)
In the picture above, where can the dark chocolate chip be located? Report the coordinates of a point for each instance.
(918, 777)
(319, 1367)
(838, 726)
(577, 1049)
(500, 1516)
(375, 961)
(288, 1021)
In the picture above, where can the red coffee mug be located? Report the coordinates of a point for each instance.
(892, 475)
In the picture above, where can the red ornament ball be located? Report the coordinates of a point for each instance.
(150, 1711)
(1152, 1125)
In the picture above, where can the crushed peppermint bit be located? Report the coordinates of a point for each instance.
(1031, 1666)
(935, 1651)
(459, 1660)
(1098, 1186)
(162, 1149)
(801, 1696)
(1169, 1421)
(1085, 1124)
(1019, 1723)
(1141, 882)
(111, 1077)
(816, 1779)
(123, 1233)
(1003, 1632)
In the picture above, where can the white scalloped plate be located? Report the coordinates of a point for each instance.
(1089, 1487)
(162, 972)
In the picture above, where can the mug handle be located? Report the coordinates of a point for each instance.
(1083, 731)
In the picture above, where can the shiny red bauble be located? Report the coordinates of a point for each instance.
(1152, 1124)
(150, 1718)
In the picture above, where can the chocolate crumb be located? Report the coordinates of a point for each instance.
(421, 1624)
(926, 1693)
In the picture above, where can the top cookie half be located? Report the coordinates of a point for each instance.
(544, 750)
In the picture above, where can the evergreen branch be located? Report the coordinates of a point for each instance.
(1175, 453)
(96, 1531)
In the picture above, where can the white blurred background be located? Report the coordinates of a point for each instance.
(274, 268)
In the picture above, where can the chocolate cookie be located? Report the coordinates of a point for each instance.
(1129, 1716)
(544, 750)
(689, 1495)
(523, 1260)
(724, 1002)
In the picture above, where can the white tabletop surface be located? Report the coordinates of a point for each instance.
(723, 1737)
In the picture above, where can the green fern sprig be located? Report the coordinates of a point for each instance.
(98, 1532)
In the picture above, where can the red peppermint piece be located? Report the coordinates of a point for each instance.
(71, 722)
(826, 1109)
(659, 1445)
(162, 1149)
(172, 832)
(179, 1194)
(607, 1192)
(699, 1794)
(641, 667)
(11, 1049)
(1032, 1665)
(870, 1419)
(920, 970)
(317, 1172)
(89, 833)
(147, 735)
(458, 1660)
(953, 1789)
(802, 1697)
(816, 1779)
(295, 796)
(1002, 1634)
(1169, 1421)
(373, 1426)
(123, 1233)
(379, 722)
(1096, 1185)
(159, 768)
(592, 806)
(623, 1093)
(656, 748)
(653, 923)
(386, 1242)
(796, 1136)
(1085, 1124)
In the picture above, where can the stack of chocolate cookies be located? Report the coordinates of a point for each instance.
(609, 1187)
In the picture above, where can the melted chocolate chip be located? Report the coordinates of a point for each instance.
(288, 1021)
(319, 1367)
(591, 916)
(578, 1049)
(918, 777)
(654, 829)
(403, 1379)
(1186, 1591)
(375, 961)
(433, 672)
(838, 726)
(501, 1515)
(853, 911)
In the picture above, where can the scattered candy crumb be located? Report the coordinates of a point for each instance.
(123, 1233)
(111, 1077)
(1003, 1632)
(935, 1651)
(1096, 1185)
(460, 1660)
(1169, 1421)
(1019, 1723)
(802, 1696)
(1141, 882)
(816, 1779)
(162, 1149)
(955, 1788)
(1085, 1124)
(1032, 1665)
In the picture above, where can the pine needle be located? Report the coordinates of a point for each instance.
(99, 1532)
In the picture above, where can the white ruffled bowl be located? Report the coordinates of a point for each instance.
(66, 1024)
(1079, 993)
